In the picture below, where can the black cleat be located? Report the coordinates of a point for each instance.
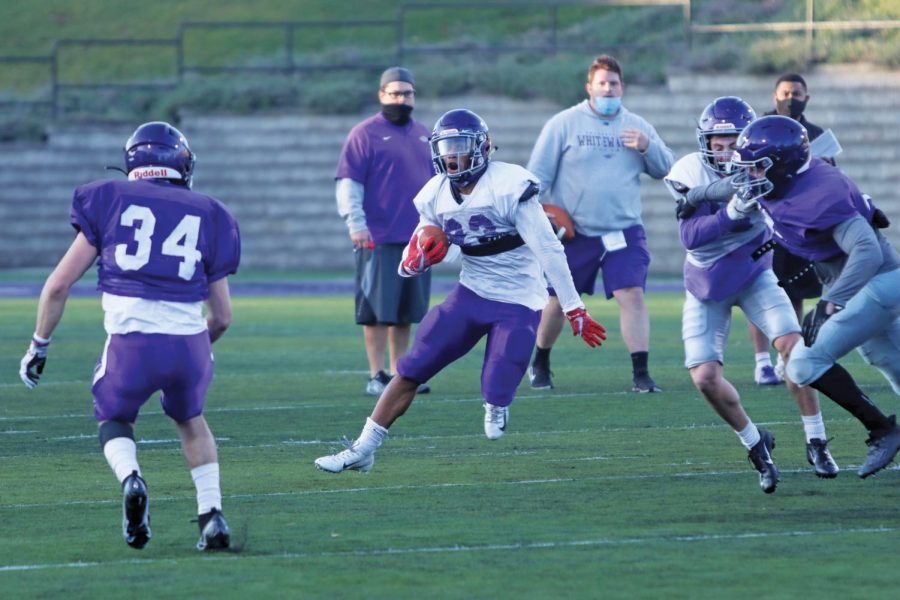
(214, 532)
(820, 458)
(761, 458)
(644, 384)
(540, 376)
(883, 446)
(135, 511)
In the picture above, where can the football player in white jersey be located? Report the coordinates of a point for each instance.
(491, 211)
(720, 272)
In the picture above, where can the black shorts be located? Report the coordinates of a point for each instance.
(787, 265)
(382, 296)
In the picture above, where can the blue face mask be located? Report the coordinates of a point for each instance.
(607, 106)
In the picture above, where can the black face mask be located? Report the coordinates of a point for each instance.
(398, 114)
(790, 107)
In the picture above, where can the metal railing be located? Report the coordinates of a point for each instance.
(402, 50)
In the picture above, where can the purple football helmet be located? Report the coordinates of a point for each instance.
(728, 115)
(776, 148)
(456, 134)
(158, 150)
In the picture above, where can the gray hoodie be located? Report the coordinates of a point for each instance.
(584, 168)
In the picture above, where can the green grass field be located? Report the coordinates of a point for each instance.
(594, 492)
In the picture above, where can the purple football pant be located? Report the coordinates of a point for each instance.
(625, 268)
(452, 328)
(136, 365)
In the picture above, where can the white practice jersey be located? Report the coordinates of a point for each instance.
(492, 211)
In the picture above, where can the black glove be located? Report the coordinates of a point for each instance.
(715, 192)
(813, 321)
(684, 209)
(880, 220)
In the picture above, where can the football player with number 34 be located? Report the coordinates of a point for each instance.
(819, 215)
(491, 211)
(164, 250)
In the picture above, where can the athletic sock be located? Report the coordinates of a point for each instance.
(121, 454)
(838, 384)
(814, 427)
(749, 435)
(763, 359)
(542, 356)
(206, 480)
(371, 436)
(639, 362)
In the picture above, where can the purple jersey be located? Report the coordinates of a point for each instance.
(731, 273)
(814, 203)
(392, 162)
(156, 240)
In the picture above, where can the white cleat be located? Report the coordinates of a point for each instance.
(495, 420)
(350, 459)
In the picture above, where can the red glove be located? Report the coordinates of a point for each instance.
(419, 259)
(434, 247)
(592, 332)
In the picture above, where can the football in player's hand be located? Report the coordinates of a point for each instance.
(434, 244)
(431, 237)
(561, 222)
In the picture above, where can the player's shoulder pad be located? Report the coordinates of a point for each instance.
(532, 189)
(688, 172)
(509, 180)
(429, 191)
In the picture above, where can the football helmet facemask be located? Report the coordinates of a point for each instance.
(770, 152)
(460, 134)
(727, 115)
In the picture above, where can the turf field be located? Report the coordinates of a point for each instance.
(593, 492)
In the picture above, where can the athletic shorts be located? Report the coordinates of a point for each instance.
(705, 324)
(624, 268)
(869, 321)
(453, 327)
(134, 366)
(382, 296)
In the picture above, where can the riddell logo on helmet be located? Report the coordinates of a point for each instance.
(154, 173)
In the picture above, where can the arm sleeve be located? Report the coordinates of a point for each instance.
(701, 228)
(864, 257)
(658, 158)
(534, 227)
(350, 195)
(544, 161)
(720, 190)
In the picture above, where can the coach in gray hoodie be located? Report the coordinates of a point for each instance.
(589, 159)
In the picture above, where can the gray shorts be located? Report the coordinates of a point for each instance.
(705, 325)
(382, 296)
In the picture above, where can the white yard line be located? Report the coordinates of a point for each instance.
(458, 549)
(429, 486)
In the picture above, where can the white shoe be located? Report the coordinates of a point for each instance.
(350, 459)
(495, 420)
(766, 375)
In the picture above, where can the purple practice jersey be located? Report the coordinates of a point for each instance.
(812, 205)
(157, 240)
(392, 162)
